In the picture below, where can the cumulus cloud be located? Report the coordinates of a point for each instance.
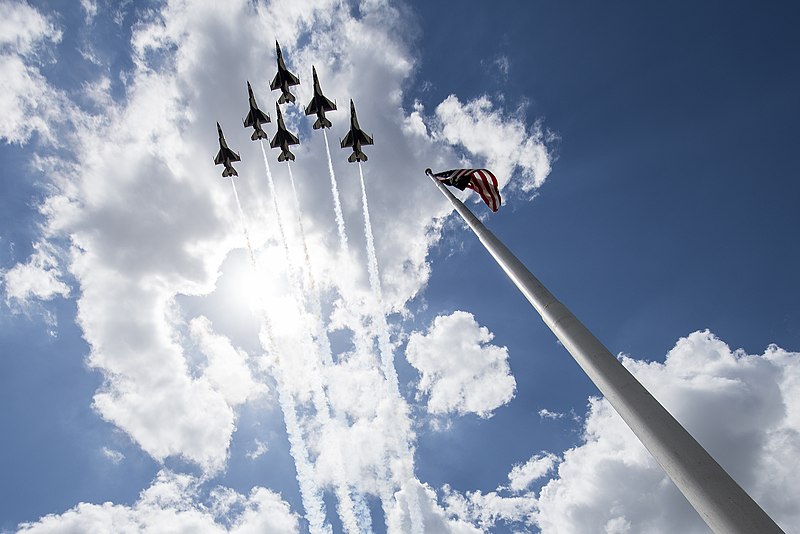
(145, 227)
(486, 510)
(522, 476)
(461, 371)
(227, 368)
(505, 141)
(38, 278)
(150, 225)
(23, 28)
(173, 504)
(28, 103)
(743, 408)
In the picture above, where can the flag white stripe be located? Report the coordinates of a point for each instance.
(491, 185)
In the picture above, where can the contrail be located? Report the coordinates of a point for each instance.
(310, 492)
(311, 282)
(387, 361)
(337, 206)
(387, 356)
(346, 507)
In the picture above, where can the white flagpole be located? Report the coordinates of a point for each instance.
(719, 500)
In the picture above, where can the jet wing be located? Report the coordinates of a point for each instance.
(276, 82)
(365, 139)
(348, 139)
(255, 115)
(319, 102)
(224, 154)
(282, 136)
(327, 105)
(290, 78)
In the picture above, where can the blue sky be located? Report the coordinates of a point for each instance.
(650, 182)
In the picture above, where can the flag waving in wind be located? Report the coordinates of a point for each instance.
(481, 181)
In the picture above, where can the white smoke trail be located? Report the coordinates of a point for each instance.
(310, 273)
(346, 507)
(384, 346)
(312, 293)
(363, 513)
(310, 492)
(387, 359)
(337, 206)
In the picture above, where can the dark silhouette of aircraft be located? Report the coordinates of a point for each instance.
(255, 118)
(283, 138)
(226, 156)
(284, 79)
(355, 138)
(319, 104)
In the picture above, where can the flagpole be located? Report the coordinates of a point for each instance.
(719, 500)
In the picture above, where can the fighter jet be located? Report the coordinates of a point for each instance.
(356, 137)
(255, 118)
(319, 104)
(284, 79)
(283, 138)
(226, 156)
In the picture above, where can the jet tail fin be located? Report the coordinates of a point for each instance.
(229, 171)
(322, 122)
(285, 155)
(357, 156)
(259, 134)
(286, 97)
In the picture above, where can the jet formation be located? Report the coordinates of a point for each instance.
(355, 138)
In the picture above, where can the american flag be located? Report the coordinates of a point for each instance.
(482, 181)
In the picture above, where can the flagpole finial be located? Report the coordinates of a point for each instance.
(429, 172)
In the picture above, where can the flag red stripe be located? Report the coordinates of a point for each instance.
(482, 181)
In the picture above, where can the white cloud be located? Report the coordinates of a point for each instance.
(90, 9)
(544, 413)
(506, 142)
(743, 408)
(38, 278)
(227, 369)
(259, 449)
(23, 28)
(28, 103)
(150, 224)
(487, 509)
(114, 456)
(435, 518)
(461, 372)
(171, 504)
(522, 476)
